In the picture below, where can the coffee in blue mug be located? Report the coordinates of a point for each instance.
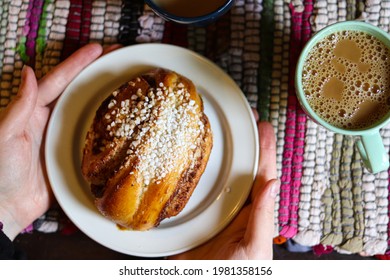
(199, 12)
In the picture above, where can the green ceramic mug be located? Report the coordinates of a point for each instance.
(369, 140)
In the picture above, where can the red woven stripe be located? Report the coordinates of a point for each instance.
(218, 37)
(73, 27)
(175, 34)
(86, 22)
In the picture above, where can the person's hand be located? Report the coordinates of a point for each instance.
(24, 189)
(250, 234)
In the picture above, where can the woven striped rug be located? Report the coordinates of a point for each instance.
(327, 201)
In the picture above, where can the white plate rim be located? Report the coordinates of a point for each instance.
(245, 151)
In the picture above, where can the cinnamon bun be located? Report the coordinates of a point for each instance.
(146, 149)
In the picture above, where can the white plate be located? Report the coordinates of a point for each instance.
(224, 185)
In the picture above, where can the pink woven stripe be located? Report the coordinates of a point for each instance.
(301, 33)
(286, 180)
(26, 28)
(34, 14)
(299, 135)
(306, 26)
(388, 213)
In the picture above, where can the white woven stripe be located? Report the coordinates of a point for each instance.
(372, 239)
(279, 86)
(237, 42)
(323, 150)
(306, 235)
(4, 8)
(277, 65)
(56, 35)
(15, 12)
(382, 220)
(151, 27)
(342, 10)
(281, 125)
(375, 190)
(298, 6)
(97, 21)
(384, 15)
(382, 192)
(332, 8)
(251, 55)
(376, 218)
(18, 8)
(372, 11)
(320, 19)
(111, 22)
(197, 39)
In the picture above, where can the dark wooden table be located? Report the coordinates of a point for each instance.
(78, 246)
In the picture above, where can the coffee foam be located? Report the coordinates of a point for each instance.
(346, 79)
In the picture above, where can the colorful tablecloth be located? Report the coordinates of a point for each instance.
(328, 201)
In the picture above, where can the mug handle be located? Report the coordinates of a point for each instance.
(373, 152)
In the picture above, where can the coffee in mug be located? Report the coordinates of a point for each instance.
(346, 79)
(189, 8)
(191, 12)
(342, 82)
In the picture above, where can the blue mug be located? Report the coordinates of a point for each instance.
(198, 20)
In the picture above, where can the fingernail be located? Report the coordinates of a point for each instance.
(275, 188)
(24, 72)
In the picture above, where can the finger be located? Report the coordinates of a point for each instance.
(111, 48)
(267, 159)
(54, 83)
(260, 231)
(19, 111)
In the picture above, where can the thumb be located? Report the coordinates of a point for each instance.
(260, 231)
(19, 111)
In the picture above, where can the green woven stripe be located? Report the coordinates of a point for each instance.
(21, 48)
(42, 30)
(357, 174)
(266, 55)
(42, 36)
(350, 244)
(332, 200)
(351, 9)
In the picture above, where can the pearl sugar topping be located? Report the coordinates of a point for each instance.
(163, 126)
